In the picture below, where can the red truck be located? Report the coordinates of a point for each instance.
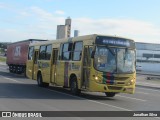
(17, 55)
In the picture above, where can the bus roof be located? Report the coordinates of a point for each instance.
(85, 37)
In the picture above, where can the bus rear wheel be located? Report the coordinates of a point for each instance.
(74, 87)
(110, 94)
(40, 82)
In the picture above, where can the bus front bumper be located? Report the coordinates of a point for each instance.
(97, 87)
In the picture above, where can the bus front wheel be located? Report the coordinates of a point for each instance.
(110, 94)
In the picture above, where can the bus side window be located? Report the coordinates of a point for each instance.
(77, 53)
(48, 52)
(30, 53)
(42, 54)
(66, 50)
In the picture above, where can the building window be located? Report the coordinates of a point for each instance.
(156, 55)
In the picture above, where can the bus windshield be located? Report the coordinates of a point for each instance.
(115, 60)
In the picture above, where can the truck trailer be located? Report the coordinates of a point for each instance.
(17, 55)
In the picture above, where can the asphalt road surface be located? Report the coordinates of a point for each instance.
(18, 93)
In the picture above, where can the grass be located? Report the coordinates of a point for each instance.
(2, 59)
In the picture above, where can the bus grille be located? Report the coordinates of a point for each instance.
(114, 88)
(121, 78)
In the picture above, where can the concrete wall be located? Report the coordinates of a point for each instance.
(150, 67)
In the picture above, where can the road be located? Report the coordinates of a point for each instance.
(21, 94)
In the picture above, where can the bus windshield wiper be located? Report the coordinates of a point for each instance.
(110, 50)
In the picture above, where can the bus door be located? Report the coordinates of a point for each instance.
(35, 66)
(54, 62)
(29, 66)
(86, 66)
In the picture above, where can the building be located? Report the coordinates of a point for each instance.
(148, 52)
(148, 56)
(64, 31)
(68, 25)
(76, 33)
(61, 31)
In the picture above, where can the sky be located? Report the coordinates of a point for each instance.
(38, 19)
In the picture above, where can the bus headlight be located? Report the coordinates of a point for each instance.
(98, 80)
(131, 82)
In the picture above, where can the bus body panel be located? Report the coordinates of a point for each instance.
(29, 72)
(44, 67)
(60, 71)
(122, 83)
(75, 68)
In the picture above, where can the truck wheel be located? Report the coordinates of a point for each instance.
(10, 69)
(40, 82)
(74, 87)
(110, 94)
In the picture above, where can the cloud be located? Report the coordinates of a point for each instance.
(59, 12)
(43, 24)
(12, 35)
(46, 16)
(135, 29)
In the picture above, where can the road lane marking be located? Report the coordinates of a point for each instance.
(121, 108)
(12, 79)
(132, 98)
(109, 105)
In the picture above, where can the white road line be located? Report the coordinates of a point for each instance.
(92, 100)
(12, 79)
(109, 105)
(132, 98)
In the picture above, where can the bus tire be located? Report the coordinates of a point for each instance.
(40, 82)
(74, 87)
(110, 94)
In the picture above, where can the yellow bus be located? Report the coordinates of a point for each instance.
(95, 63)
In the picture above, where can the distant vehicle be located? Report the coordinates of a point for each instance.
(138, 67)
(17, 55)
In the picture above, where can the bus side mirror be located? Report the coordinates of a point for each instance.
(92, 54)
